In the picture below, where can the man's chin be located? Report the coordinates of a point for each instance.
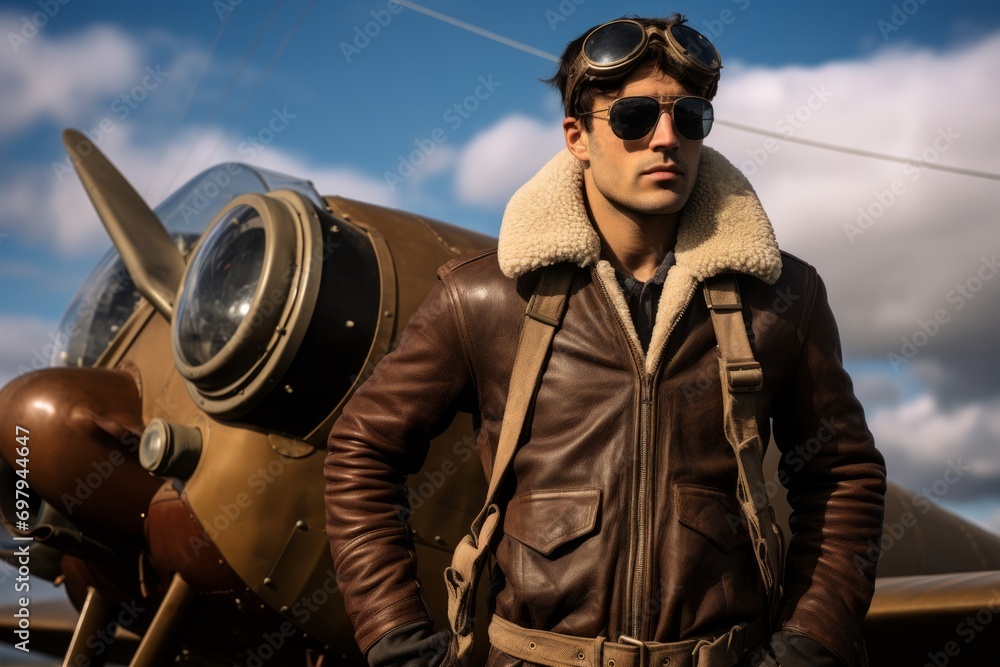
(662, 203)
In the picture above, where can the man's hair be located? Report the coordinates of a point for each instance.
(656, 54)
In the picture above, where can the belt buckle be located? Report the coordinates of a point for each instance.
(643, 649)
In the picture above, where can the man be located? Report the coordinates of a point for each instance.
(618, 514)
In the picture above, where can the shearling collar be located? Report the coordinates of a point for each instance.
(723, 228)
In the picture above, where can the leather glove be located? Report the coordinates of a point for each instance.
(789, 649)
(411, 645)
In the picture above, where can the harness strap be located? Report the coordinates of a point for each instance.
(542, 316)
(742, 377)
(559, 650)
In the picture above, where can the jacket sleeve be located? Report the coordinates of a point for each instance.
(836, 487)
(382, 436)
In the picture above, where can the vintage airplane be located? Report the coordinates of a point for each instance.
(174, 451)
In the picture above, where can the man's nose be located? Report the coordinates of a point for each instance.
(664, 133)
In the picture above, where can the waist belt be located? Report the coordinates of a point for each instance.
(558, 650)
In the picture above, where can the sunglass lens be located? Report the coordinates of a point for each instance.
(693, 117)
(697, 46)
(613, 42)
(633, 117)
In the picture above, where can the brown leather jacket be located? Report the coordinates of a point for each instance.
(621, 517)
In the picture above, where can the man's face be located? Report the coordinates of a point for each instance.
(650, 176)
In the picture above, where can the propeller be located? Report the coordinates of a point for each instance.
(149, 254)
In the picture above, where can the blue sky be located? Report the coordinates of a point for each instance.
(905, 78)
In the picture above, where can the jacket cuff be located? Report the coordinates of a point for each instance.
(794, 650)
(404, 612)
(827, 631)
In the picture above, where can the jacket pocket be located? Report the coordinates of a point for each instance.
(714, 561)
(712, 513)
(551, 547)
(546, 520)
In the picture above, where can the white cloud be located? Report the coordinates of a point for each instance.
(921, 440)
(920, 429)
(44, 205)
(925, 238)
(73, 79)
(498, 160)
(54, 79)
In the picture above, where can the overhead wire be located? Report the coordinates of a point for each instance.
(482, 32)
(194, 88)
(231, 84)
(974, 173)
(927, 164)
(264, 73)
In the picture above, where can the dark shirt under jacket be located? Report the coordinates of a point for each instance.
(643, 298)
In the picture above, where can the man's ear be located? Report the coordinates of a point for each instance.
(577, 141)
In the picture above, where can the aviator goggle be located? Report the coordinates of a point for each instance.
(612, 49)
(634, 118)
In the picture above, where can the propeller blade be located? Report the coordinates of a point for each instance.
(149, 254)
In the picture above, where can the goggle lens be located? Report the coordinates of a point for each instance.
(612, 49)
(696, 46)
(614, 43)
(633, 118)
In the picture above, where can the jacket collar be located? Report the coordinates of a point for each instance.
(722, 228)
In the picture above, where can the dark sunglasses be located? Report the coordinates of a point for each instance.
(634, 118)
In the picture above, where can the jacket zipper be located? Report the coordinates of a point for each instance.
(634, 550)
(645, 432)
(640, 620)
(635, 591)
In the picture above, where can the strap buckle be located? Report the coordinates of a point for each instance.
(744, 376)
(643, 649)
